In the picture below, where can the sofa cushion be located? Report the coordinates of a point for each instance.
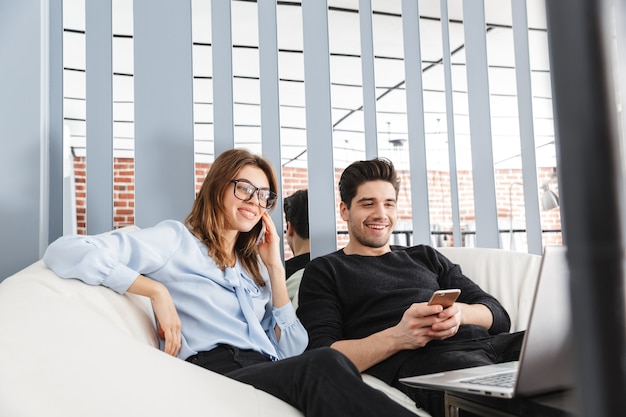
(74, 350)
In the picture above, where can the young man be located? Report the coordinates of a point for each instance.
(369, 300)
(296, 208)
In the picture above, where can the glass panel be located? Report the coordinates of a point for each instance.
(123, 114)
(202, 87)
(74, 107)
(347, 104)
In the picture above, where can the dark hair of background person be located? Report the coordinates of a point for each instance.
(296, 208)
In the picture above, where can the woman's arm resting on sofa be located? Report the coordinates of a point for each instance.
(168, 322)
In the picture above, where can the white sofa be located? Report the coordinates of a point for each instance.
(68, 349)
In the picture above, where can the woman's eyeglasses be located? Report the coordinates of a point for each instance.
(244, 190)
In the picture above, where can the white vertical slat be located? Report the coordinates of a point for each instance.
(222, 49)
(55, 120)
(164, 148)
(270, 104)
(99, 102)
(415, 121)
(369, 83)
(487, 234)
(322, 224)
(447, 71)
(527, 131)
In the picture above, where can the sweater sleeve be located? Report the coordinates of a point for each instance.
(319, 308)
(293, 336)
(452, 276)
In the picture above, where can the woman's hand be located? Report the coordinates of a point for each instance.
(168, 323)
(269, 250)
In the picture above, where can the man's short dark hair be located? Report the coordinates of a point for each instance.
(359, 172)
(297, 212)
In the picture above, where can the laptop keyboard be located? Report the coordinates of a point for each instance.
(504, 379)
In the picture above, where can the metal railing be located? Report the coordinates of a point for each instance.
(408, 234)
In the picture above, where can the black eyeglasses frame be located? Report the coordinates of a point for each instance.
(269, 202)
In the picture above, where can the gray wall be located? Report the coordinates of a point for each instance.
(22, 226)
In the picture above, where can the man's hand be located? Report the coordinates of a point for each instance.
(458, 314)
(447, 324)
(414, 331)
(419, 325)
(422, 323)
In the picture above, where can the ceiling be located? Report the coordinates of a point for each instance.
(345, 75)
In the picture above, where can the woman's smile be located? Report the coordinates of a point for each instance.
(249, 214)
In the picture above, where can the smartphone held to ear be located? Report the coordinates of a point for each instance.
(444, 298)
(261, 237)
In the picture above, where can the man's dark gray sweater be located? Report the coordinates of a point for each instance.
(352, 296)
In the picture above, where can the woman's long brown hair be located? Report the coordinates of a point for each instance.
(207, 221)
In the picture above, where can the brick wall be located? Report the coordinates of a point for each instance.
(509, 195)
(80, 175)
(124, 192)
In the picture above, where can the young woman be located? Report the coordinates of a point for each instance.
(217, 286)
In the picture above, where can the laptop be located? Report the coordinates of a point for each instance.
(545, 362)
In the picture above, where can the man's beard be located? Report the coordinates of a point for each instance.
(374, 243)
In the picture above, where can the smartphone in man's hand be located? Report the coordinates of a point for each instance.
(444, 298)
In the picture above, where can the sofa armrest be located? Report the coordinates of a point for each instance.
(75, 350)
(395, 394)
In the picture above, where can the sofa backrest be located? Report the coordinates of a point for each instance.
(509, 276)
